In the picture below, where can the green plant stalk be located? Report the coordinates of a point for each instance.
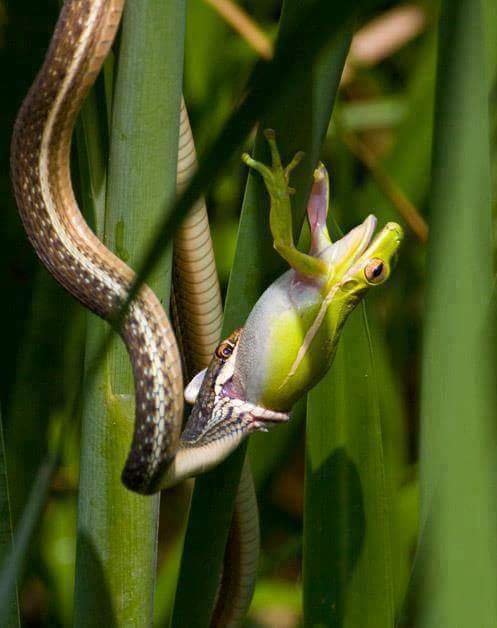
(11, 617)
(300, 125)
(347, 556)
(117, 530)
(490, 30)
(25, 528)
(403, 526)
(457, 557)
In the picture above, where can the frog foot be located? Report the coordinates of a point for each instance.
(276, 179)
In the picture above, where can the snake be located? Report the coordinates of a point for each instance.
(99, 280)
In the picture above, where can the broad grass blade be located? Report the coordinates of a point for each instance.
(14, 561)
(10, 607)
(457, 558)
(348, 580)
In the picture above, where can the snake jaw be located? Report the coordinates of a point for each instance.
(221, 417)
(211, 435)
(228, 418)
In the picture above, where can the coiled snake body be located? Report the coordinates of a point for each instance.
(101, 281)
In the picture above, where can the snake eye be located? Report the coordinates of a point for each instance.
(224, 350)
(375, 271)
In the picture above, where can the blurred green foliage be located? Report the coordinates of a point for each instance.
(389, 108)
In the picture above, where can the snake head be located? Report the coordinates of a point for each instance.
(220, 418)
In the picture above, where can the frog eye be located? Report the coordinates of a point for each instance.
(375, 271)
(224, 350)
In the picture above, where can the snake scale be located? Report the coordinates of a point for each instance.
(40, 165)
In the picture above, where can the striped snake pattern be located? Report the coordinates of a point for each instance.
(40, 158)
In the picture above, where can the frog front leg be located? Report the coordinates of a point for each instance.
(276, 179)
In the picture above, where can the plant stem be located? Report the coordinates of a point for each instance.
(9, 613)
(117, 530)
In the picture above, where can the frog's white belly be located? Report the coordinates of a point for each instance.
(288, 293)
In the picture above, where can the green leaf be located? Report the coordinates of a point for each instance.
(457, 558)
(393, 416)
(347, 569)
(13, 563)
(9, 603)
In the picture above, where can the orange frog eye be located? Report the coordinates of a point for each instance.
(375, 271)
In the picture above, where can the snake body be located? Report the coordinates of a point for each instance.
(195, 282)
(198, 320)
(41, 177)
(69, 249)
